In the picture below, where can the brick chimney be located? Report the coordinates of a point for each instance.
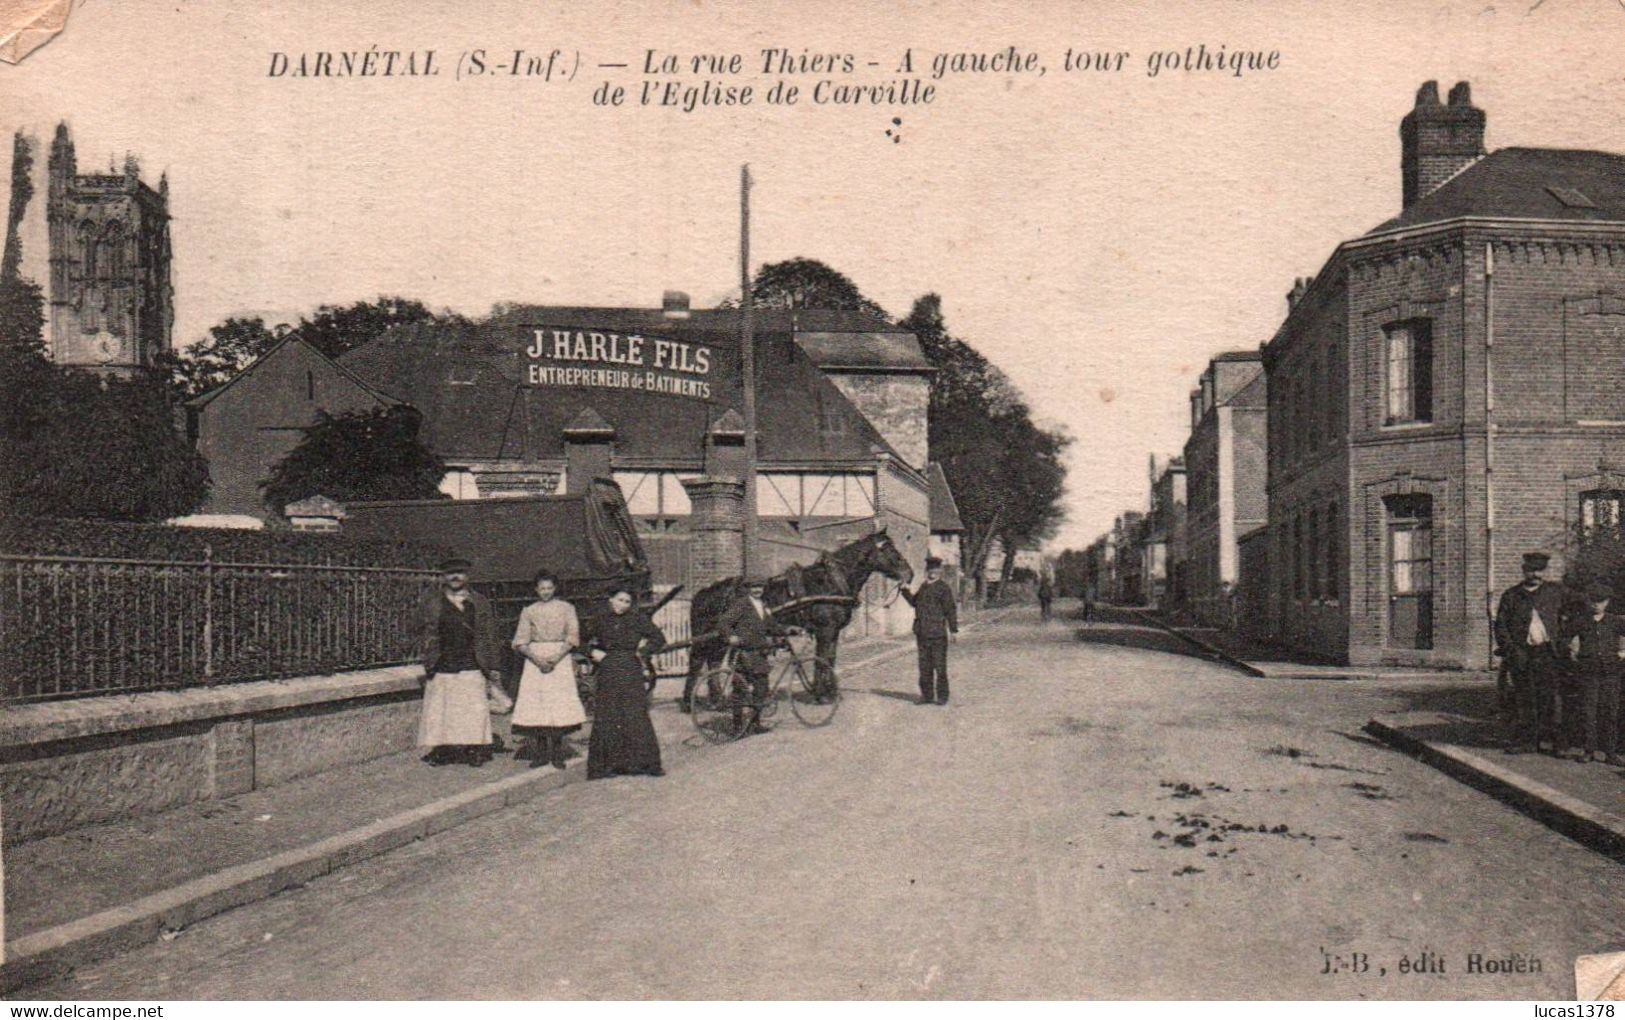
(1300, 287)
(674, 304)
(1437, 140)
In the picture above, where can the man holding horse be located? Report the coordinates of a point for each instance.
(936, 620)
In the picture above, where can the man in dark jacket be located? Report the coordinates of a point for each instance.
(936, 620)
(1529, 637)
(1599, 637)
(749, 629)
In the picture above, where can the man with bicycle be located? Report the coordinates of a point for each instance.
(749, 629)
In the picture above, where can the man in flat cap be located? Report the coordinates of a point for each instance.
(936, 620)
(749, 629)
(1529, 638)
(460, 658)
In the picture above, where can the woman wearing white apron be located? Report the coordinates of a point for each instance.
(548, 706)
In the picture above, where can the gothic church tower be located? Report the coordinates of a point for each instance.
(106, 271)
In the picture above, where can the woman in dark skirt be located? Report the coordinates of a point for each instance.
(623, 739)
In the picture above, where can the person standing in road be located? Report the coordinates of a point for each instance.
(1600, 636)
(460, 662)
(548, 707)
(936, 621)
(749, 629)
(1528, 636)
(1046, 597)
(623, 741)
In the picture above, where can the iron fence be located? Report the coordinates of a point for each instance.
(77, 626)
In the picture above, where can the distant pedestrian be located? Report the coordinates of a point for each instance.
(1600, 636)
(936, 621)
(1529, 638)
(749, 629)
(548, 707)
(623, 741)
(1046, 597)
(460, 662)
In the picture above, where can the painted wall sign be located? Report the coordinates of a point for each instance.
(626, 361)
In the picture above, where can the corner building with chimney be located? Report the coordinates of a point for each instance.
(1445, 394)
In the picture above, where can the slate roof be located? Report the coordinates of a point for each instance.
(884, 352)
(204, 399)
(1520, 183)
(467, 380)
(944, 511)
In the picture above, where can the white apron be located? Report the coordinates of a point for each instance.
(455, 710)
(550, 698)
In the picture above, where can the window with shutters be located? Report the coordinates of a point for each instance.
(1410, 372)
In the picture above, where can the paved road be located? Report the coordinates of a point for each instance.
(1092, 817)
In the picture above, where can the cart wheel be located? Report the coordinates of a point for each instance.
(713, 706)
(815, 692)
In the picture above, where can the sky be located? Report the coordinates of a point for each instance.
(1098, 235)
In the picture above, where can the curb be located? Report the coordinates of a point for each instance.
(1602, 831)
(54, 952)
(1210, 651)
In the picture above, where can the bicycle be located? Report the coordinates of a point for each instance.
(725, 706)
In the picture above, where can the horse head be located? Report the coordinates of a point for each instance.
(881, 553)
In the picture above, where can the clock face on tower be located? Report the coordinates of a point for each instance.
(105, 347)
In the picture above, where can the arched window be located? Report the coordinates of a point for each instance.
(112, 252)
(87, 249)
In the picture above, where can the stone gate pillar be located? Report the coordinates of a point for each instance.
(717, 523)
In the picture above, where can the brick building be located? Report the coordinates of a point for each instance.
(1445, 394)
(1164, 545)
(1226, 463)
(1126, 576)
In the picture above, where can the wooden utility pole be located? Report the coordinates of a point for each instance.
(747, 371)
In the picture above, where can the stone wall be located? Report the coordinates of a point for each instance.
(68, 764)
(895, 405)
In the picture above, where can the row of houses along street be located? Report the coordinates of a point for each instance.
(1441, 396)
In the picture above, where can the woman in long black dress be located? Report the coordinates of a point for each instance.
(623, 739)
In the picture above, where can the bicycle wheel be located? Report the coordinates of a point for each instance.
(815, 691)
(713, 706)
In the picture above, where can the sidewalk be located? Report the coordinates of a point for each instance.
(99, 890)
(1275, 662)
(1461, 737)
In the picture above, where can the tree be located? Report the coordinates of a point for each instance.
(22, 190)
(358, 455)
(335, 329)
(230, 347)
(1005, 471)
(73, 444)
(22, 304)
(807, 283)
(22, 315)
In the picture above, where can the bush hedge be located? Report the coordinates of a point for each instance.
(60, 537)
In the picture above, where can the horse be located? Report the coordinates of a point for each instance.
(818, 599)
